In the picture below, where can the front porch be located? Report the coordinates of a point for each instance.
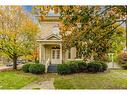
(51, 53)
(50, 50)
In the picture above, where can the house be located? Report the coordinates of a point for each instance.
(50, 43)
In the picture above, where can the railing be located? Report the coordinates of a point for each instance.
(46, 65)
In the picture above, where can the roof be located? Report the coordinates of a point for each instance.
(48, 28)
(51, 38)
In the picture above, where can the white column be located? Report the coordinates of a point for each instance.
(40, 53)
(61, 53)
(43, 52)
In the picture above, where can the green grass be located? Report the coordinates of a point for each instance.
(114, 79)
(15, 79)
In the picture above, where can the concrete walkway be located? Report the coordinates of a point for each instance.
(40, 85)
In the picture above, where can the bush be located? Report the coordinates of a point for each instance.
(36, 61)
(104, 66)
(70, 67)
(82, 66)
(37, 68)
(73, 67)
(63, 69)
(94, 67)
(25, 68)
(122, 59)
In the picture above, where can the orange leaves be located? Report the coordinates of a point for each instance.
(41, 18)
(56, 9)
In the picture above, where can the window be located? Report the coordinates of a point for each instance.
(53, 54)
(69, 54)
(58, 54)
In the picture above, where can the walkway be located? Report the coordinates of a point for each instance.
(40, 85)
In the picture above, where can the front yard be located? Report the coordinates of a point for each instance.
(15, 79)
(113, 79)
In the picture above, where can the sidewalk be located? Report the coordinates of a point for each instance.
(4, 68)
(40, 85)
(113, 65)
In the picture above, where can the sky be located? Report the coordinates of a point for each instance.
(27, 8)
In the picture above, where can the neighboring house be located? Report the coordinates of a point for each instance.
(50, 43)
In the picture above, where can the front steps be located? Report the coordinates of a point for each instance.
(52, 68)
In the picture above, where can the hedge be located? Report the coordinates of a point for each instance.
(25, 68)
(71, 67)
(37, 68)
(34, 68)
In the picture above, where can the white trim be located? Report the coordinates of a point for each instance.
(73, 59)
(51, 35)
(49, 40)
(40, 53)
(55, 60)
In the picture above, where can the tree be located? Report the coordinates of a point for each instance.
(17, 33)
(93, 30)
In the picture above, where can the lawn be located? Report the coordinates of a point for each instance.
(15, 79)
(115, 79)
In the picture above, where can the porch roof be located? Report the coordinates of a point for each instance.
(51, 39)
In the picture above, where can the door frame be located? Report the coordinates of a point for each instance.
(55, 60)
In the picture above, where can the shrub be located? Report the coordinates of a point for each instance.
(122, 59)
(70, 67)
(36, 61)
(82, 66)
(37, 68)
(73, 67)
(94, 67)
(104, 65)
(25, 68)
(63, 69)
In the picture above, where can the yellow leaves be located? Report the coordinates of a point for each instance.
(56, 10)
(1, 12)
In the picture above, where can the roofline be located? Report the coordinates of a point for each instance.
(57, 36)
(50, 18)
(48, 40)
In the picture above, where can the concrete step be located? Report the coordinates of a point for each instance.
(52, 68)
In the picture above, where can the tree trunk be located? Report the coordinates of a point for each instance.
(15, 63)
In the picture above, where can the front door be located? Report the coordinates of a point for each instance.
(55, 56)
